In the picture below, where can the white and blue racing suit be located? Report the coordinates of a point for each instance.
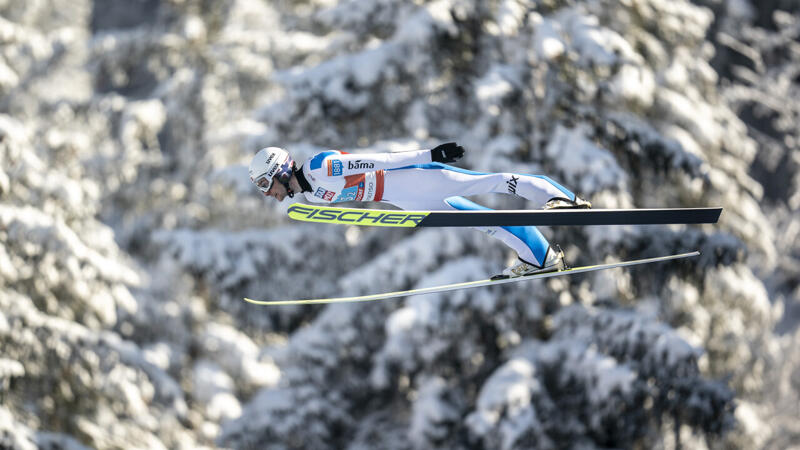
(410, 181)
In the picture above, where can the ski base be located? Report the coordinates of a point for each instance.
(470, 284)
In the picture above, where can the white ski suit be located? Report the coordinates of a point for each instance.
(410, 181)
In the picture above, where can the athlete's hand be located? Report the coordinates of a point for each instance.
(447, 153)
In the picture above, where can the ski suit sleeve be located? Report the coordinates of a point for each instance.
(344, 164)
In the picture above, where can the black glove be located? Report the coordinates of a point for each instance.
(447, 153)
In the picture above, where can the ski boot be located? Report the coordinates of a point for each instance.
(563, 203)
(554, 262)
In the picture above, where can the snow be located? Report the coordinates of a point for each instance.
(430, 410)
(158, 355)
(583, 165)
(423, 312)
(401, 321)
(507, 394)
(239, 355)
(421, 25)
(635, 84)
(214, 387)
(511, 385)
(740, 9)
(493, 86)
(10, 368)
(594, 44)
(546, 40)
(129, 232)
(510, 17)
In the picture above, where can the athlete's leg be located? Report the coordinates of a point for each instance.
(443, 181)
(437, 187)
(530, 245)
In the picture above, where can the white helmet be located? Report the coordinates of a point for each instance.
(269, 164)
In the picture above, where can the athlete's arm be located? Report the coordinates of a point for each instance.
(344, 164)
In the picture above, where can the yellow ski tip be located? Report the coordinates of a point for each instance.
(300, 302)
(354, 216)
(257, 302)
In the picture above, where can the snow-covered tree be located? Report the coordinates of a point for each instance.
(129, 231)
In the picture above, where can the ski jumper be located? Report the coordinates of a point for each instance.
(410, 181)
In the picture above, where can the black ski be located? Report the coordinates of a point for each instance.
(395, 218)
(572, 217)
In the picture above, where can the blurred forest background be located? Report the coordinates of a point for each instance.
(129, 230)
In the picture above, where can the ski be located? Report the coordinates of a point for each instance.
(417, 219)
(470, 284)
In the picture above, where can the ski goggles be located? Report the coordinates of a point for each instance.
(265, 183)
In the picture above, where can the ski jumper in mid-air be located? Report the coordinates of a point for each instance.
(418, 180)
